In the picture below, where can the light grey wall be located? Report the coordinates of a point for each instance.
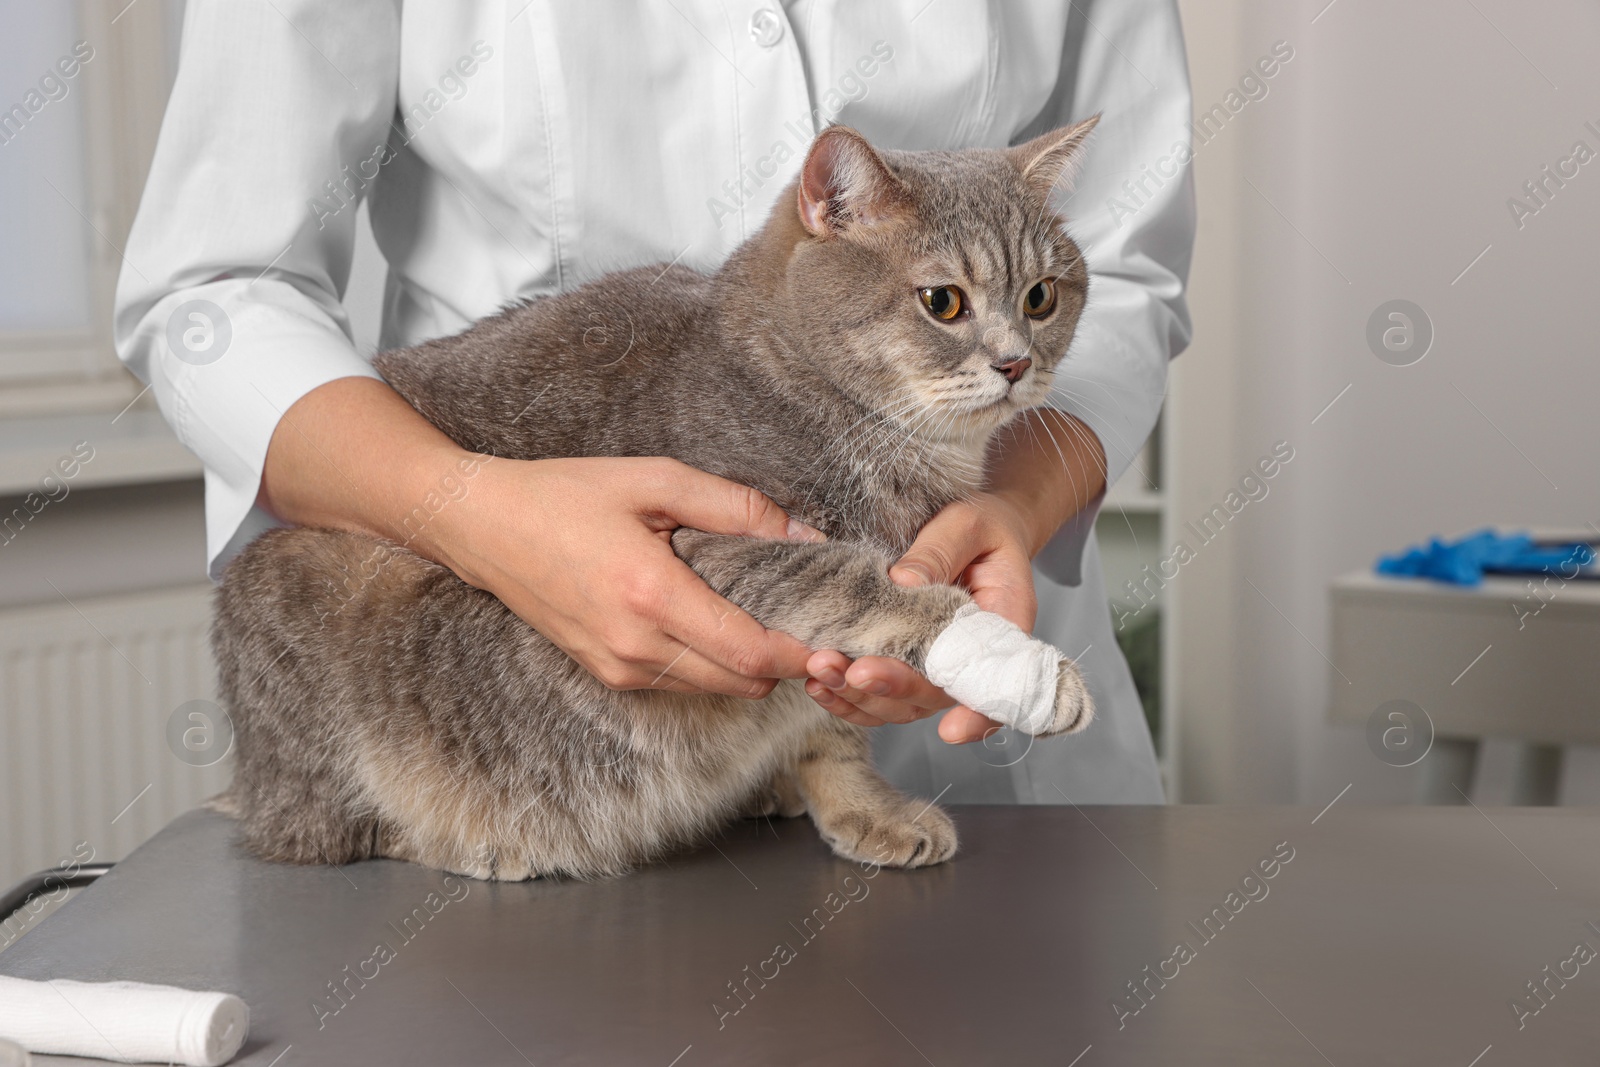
(1378, 166)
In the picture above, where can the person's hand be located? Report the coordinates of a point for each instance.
(980, 544)
(580, 549)
(1046, 467)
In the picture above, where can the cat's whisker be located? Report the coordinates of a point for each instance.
(1104, 388)
(853, 437)
(1038, 424)
(1086, 402)
(884, 423)
(1084, 435)
(911, 433)
(852, 464)
(889, 443)
(924, 459)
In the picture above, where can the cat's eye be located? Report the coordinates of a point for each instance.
(944, 302)
(1040, 300)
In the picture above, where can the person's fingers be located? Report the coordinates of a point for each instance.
(828, 688)
(689, 670)
(687, 496)
(882, 677)
(645, 660)
(942, 550)
(1002, 582)
(894, 682)
(981, 552)
(839, 699)
(835, 704)
(961, 725)
(828, 667)
(884, 690)
(689, 610)
(883, 709)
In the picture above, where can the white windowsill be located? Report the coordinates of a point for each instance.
(137, 449)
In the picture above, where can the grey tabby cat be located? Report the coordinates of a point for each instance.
(851, 360)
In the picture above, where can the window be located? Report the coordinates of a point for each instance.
(80, 105)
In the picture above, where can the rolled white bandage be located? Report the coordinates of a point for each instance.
(130, 1022)
(989, 664)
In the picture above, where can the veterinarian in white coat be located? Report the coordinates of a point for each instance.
(514, 149)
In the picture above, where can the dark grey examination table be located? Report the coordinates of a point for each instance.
(1406, 936)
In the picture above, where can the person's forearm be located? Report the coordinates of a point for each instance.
(575, 547)
(1050, 465)
(353, 455)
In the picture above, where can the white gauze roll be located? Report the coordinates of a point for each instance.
(989, 664)
(130, 1022)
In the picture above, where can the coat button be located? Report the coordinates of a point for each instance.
(766, 27)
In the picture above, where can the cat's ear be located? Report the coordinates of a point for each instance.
(1054, 157)
(844, 182)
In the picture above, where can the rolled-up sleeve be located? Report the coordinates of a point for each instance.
(228, 303)
(1131, 210)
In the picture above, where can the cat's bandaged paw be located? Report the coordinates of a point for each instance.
(992, 666)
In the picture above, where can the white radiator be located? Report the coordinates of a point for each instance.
(87, 689)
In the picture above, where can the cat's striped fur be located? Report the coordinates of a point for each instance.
(390, 709)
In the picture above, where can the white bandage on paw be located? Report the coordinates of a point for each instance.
(991, 665)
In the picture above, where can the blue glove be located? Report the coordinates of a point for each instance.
(1465, 561)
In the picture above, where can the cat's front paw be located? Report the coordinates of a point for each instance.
(1074, 708)
(994, 667)
(906, 833)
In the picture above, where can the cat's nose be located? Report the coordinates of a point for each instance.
(1013, 369)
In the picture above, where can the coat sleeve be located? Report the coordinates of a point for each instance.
(1131, 210)
(228, 303)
